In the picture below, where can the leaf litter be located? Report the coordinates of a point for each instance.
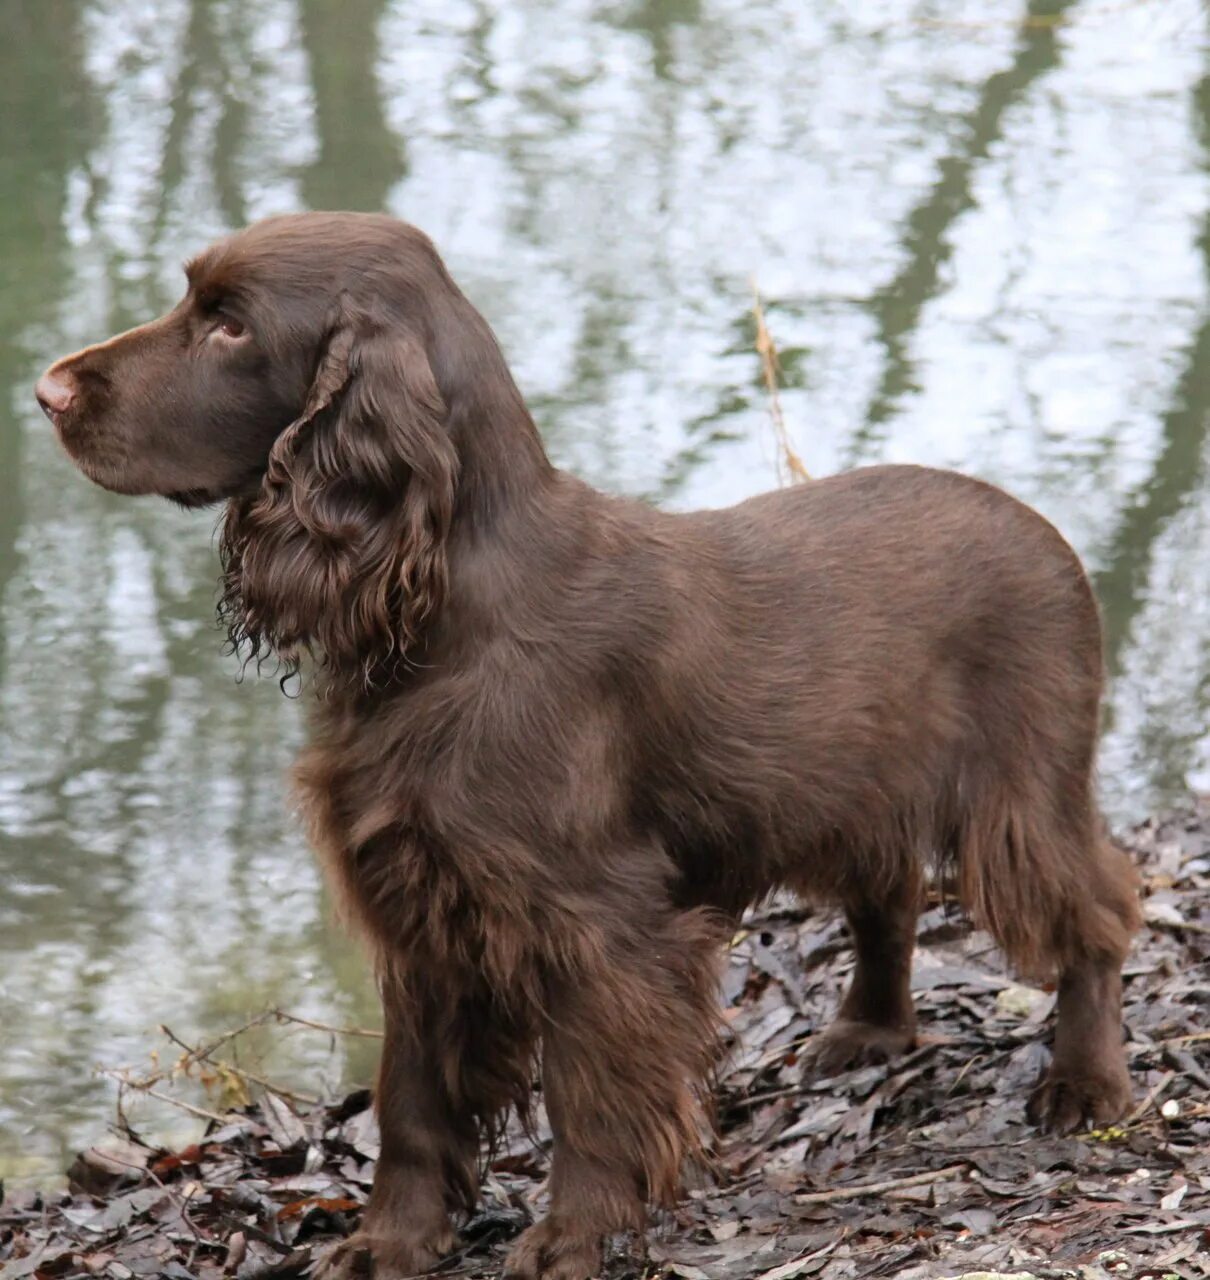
(923, 1167)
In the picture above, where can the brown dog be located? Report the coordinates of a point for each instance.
(562, 740)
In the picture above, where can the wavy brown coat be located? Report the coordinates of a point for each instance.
(561, 740)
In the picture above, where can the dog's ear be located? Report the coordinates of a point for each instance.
(343, 549)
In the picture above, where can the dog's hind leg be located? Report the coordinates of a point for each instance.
(876, 1019)
(1088, 1082)
(1059, 898)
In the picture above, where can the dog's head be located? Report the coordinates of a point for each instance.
(316, 375)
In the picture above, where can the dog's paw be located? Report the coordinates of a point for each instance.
(364, 1255)
(550, 1250)
(1066, 1101)
(846, 1045)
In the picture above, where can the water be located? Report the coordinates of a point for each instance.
(982, 237)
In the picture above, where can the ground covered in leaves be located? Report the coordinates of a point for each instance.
(921, 1168)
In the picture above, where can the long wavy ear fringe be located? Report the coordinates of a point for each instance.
(342, 553)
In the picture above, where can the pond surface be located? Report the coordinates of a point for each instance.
(981, 233)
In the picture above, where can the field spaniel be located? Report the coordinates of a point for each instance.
(561, 740)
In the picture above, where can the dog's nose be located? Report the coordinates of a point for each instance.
(54, 393)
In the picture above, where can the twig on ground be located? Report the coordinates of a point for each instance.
(971, 1062)
(1149, 1101)
(795, 1266)
(769, 1095)
(878, 1188)
(771, 369)
(1189, 1039)
(146, 1171)
(1181, 926)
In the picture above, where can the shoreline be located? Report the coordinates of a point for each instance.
(924, 1165)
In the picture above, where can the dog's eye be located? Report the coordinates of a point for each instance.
(230, 327)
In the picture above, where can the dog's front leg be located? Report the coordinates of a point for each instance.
(427, 1167)
(628, 1043)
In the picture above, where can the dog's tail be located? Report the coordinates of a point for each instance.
(1038, 871)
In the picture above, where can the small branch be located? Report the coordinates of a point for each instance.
(193, 1055)
(142, 1087)
(1195, 1038)
(1149, 1101)
(1186, 926)
(203, 1051)
(966, 1066)
(750, 1100)
(365, 1032)
(877, 1188)
(795, 1266)
(771, 369)
(204, 1054)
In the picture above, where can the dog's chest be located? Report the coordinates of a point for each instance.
(373, 815)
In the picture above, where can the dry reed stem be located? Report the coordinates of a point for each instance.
(771, 369)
